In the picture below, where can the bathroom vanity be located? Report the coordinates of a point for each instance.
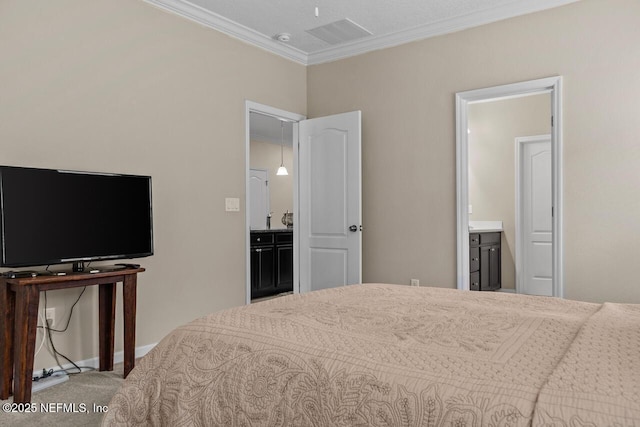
(485, 263)
(271, 262)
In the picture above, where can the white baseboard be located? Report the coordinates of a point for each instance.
(118, 357)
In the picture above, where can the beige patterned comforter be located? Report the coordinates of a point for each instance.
(597, 382)
(389, 355)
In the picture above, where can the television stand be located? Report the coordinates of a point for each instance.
(19, 298)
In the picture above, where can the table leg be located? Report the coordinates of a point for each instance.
(107, 321)
(129, 305)
(7, 313)
(26, 323)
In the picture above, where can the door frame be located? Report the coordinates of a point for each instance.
(551, 85)
(254, 107)
(520, 241)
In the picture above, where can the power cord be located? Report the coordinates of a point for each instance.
(48, 330)
(44, 336)
(45, 374)
(70, 311)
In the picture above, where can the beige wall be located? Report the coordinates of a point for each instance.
(265, 155)
(493, 128)
(117, 85)
(406, 95)
(121, 86)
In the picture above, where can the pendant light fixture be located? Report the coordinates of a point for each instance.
(282, 170)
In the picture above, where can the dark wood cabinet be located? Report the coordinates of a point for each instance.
(284, 261)
(485, 261)
(271, 262)
(262, 278)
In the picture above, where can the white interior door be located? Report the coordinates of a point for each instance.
(259, 197)
(536, 216)
(330, 201)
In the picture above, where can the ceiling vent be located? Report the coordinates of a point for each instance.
(338, 32)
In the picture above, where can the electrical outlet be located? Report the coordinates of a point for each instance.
(415, 282)
(50, 315)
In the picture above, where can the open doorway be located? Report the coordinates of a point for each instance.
(464, 101)
(327, 199)
(270, 199)
(499, 134)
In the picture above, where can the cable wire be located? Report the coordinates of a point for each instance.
(48, 330)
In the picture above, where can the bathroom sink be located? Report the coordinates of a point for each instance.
(485, 226)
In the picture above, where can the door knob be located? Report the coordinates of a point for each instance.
(353, 228)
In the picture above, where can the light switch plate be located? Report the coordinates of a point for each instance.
(232, 204)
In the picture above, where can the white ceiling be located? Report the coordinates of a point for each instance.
(390, 22)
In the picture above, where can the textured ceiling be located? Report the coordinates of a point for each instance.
(390, 22)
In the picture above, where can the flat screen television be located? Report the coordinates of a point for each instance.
(50, 216)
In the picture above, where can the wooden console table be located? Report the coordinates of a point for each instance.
(19, 300)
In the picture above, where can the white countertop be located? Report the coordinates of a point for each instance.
(485, 226)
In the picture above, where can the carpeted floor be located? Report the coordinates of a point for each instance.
(94, 389)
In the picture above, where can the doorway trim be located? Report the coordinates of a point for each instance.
(254, 107)
(551, 85)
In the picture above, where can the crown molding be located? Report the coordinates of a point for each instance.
(218, 22)
(439, 28)
(212, 20)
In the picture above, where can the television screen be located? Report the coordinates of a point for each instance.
(57, 216)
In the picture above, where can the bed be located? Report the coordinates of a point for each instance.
(390, 355)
